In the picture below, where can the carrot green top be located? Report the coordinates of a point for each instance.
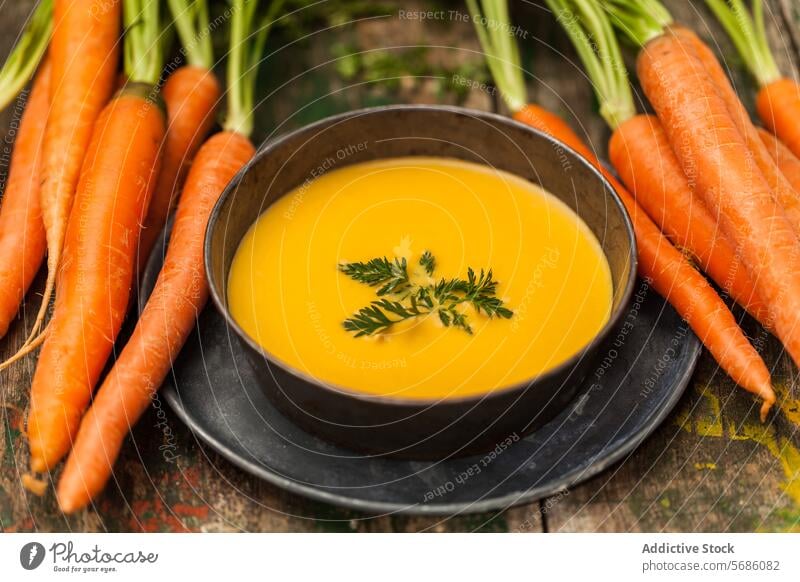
(27, 53)
(639, 20)
(143, 53)
(192, 23)
(248, 36)
(749, 35)
(589, 28)
(492, 23)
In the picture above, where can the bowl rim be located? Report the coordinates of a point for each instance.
(217, 295)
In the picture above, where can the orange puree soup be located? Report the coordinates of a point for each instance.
(288, 292)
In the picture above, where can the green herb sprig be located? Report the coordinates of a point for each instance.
(408, 300)
(393, 275)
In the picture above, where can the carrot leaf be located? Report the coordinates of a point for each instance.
(192, 23)
(25, 57)
(749, 35)
(639, 20)
(496, 35)
(248, 37)
(142, 49)
(590, 31)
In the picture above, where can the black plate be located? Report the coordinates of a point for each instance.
(643, 370)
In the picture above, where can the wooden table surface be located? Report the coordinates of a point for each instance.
(710, 467)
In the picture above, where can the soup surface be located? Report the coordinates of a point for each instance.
(287, 289)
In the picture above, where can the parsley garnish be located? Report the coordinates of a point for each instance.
(410, 300)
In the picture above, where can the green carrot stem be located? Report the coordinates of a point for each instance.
(244, 57)
(639, 20)
(493, 27)
(749, 35)
(590, 31)
(25, 57)
(192, 23)
(142, 50)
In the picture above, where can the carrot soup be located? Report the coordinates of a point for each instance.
(420, 278)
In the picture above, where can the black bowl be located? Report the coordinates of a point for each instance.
(421, 428)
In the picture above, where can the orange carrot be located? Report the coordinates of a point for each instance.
(181, 289)
(191, 95)
(778, 100)
(668, 271)
(787, 162)
(168, 318)
(663, 265)
(778, 106)
(591, 31)
(84, 54)
(22, 237)
(788, 198)
(96, 274)
(95, 279)
(641, 154)
(711, 149)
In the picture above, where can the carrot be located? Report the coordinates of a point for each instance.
(181, 289)
(778, 106)
(84, 54)
(671, 275)
(660, 263)
(788, 198)
(96, 275)
(191, 95)
(788, 163)
(710, 147)
(778, 99)
(643, 158)
(683, 216)
(164, 325)
(22, 237)
(95, 280)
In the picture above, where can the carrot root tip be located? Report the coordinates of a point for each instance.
(36, 486)
(67, 505)
(26, 349)
(766, 406)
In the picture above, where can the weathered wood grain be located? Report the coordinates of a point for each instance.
(710, 467)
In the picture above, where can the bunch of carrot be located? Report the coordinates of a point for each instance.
(94, 178)
(730, 169)
(699, 175)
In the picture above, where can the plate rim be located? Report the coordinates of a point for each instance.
(574, 477)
